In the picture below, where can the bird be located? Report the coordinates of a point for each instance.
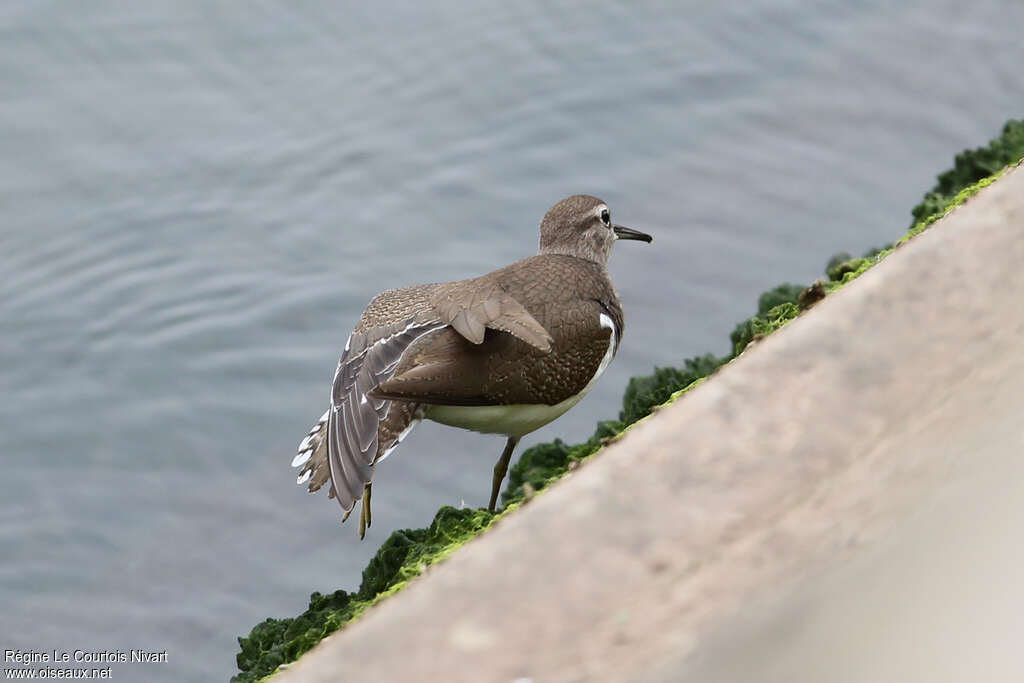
(504, 353)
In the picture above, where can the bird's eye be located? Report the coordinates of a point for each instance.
(606, 217)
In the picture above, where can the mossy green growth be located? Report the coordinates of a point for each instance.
(274, 642)
(767, 321)
(836, 259)
(836, 272)
(875, 251)
(785, 293)
(764, 325)
(547, 462)
(537, 466)
(407, 552)
(1008, 144)
(761, 325)
(645, 392)
(973, 165)
(403, 556)
(960, 198)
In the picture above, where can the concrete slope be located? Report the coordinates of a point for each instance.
(844, 502)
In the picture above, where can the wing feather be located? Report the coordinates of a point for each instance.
(472, 309)
(354, 416)
(448, 370)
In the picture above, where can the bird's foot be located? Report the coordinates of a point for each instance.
(365, 518)
(500, 470)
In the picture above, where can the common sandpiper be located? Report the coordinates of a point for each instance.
(504, 353)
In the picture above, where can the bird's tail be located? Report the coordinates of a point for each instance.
(312, 458)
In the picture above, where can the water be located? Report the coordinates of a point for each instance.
(199, 199)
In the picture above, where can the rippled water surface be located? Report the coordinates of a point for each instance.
(198, 199)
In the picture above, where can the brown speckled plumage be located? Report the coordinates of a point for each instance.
(531, 333)
(564, 294)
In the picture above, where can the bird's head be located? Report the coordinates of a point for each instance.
(582, 226)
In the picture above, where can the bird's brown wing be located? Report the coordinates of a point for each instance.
(471, 310)
(443, 369)
(378, 346)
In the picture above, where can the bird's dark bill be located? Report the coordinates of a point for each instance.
(624, 233)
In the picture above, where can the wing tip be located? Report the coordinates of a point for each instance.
(302, 457)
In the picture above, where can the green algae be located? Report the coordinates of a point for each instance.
(403, 556)
(838, 271)
(645, 392)
(274, 642)
(843, 272)
(786, 293)
(958, 199)
(766, 321)
(972, 166)
(407, 553)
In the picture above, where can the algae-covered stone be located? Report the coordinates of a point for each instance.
(774, 319)
(814, 293)
(836, 259)
(761, 325)
(536, 467)
(746, 331)
(645, 392)
(384, 567)
(408, 551)
(973, 165)
(607, 429)
(836, 272)
(781, 294)
(546, 462)
(742, 335)
(404, 555)
(277, 641)
(875, 251)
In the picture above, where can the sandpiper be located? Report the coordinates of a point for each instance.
(504, 353)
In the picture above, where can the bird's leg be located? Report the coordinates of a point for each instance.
(364, 514)
(500, 469)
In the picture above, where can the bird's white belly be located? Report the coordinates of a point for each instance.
(511, 420)
(518, 419)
